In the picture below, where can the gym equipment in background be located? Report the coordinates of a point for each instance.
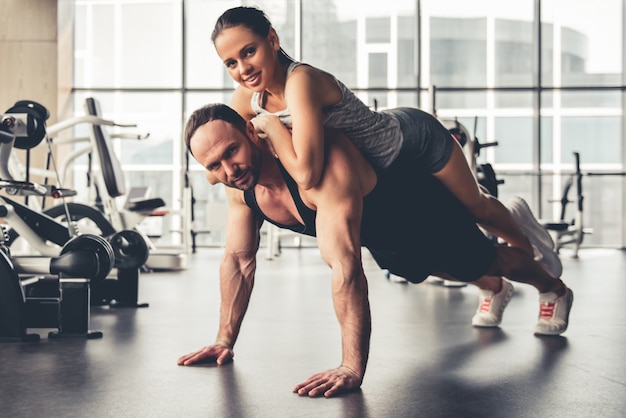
(107, 179)
(566, 232)
(110, 184)
(84, 260)
(484, 173)
(46, 235)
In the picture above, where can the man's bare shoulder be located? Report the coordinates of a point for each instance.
(235, 196)
(240, 102)
(346, 172)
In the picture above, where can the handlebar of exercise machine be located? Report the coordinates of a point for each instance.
(54, 129)
(15, 125)
(24, 126)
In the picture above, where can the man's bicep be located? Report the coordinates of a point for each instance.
(338, 225)
(242, 225)
(339, 203)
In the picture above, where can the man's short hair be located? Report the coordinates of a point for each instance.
(208, 113)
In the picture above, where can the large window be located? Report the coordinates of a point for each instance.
(544, 78)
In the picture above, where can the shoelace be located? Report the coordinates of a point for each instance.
(485, 305)
(546, 310)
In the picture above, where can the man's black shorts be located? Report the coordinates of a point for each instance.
(414, 227)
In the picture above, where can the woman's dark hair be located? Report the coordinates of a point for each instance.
(208, 113)
(253, 19)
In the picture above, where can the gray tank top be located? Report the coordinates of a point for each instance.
(376, 134)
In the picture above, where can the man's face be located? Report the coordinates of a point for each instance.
(228, 155)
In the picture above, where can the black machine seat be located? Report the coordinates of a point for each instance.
(561, 225)
(557, 226)
(570, 232)
(144, 205)
(138, 200)
(109, 164)
(111, 167)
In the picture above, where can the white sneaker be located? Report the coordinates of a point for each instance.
(491, 306)
(554, 313)
(539, 237)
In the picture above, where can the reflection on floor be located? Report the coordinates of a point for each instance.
(426, 360)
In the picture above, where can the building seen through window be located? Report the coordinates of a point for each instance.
(485, 59)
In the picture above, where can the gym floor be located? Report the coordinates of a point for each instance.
(426, 360)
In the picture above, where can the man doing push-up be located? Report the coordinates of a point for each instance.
(413, 226)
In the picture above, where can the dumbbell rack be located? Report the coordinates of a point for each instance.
(67, 308)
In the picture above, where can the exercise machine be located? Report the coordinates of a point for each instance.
(106, 181)
(110, 184)
(569, 232)
(104, 214)
(484, 173)
(48, 232)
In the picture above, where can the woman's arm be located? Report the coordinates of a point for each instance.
(301, 151)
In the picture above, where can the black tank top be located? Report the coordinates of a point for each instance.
(396, 214)
(378, 228)
(307, 214)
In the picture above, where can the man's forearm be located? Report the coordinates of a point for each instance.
(236, 284)
(350, 297)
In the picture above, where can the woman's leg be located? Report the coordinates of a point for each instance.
(429, 144)
(489, 212)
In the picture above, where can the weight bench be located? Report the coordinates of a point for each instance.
(111, 168)
(111, 184)
(569, 232)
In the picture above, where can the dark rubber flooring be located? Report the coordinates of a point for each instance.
(426, 360)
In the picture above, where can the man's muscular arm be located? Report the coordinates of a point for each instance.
(237, 271)
(339, 202)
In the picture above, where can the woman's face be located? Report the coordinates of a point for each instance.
(251, 60)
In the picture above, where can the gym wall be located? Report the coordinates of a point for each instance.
(36, 59)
